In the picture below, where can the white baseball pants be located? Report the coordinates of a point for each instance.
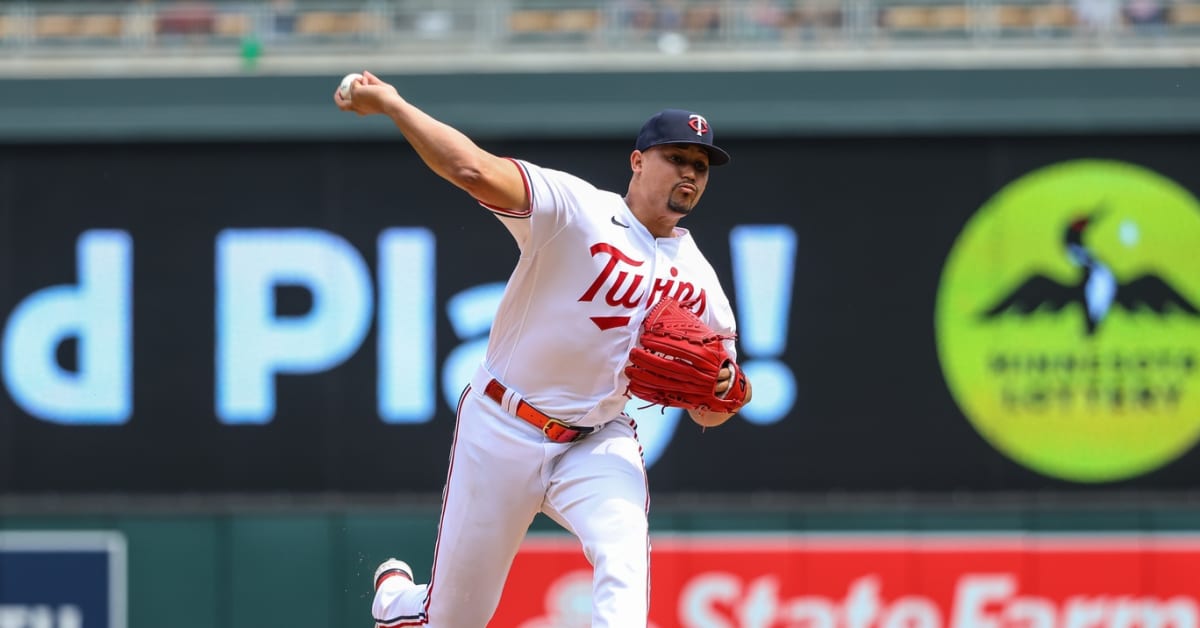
(503, 471)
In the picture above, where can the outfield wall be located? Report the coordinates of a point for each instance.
(1131, 94)
(313, 568)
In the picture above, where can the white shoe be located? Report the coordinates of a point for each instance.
(392, 567)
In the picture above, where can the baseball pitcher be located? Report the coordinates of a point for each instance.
(610, 299)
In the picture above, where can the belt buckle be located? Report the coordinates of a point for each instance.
(551, 421)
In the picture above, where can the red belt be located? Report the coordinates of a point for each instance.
(554, 429)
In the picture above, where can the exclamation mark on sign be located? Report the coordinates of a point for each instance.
(764, 257)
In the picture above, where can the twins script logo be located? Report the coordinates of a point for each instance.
(624, 291)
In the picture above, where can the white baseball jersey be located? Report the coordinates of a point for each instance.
(571, 313)
(587, 274)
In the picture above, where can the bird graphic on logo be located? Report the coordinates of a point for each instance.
(1097, 289)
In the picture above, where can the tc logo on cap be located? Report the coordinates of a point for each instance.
(698, 124)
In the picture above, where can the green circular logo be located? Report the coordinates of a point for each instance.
(1067, 320)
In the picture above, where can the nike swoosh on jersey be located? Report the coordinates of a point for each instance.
(619, 223)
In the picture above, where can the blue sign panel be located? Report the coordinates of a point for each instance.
(62, 580)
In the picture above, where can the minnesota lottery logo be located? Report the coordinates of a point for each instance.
(1067, 321)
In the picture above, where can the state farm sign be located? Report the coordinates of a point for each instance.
(879, 581)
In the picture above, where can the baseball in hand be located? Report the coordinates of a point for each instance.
(349, 79)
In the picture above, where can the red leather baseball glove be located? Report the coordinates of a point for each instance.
(678, 362)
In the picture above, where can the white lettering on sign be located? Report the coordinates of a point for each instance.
(20, 616)
(723, 600)
(97, 313)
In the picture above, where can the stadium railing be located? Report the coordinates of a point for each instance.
(81, 28)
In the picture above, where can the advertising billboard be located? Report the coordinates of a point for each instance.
(942, 580)
(933, 314)
(51, 579)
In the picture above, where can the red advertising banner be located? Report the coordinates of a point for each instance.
(879, 581)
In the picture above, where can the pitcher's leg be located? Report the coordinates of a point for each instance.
(598, 492)
(493, 490)
(395, 592)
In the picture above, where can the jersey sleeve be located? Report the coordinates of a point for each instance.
(555, 198)
(719, 314)
(722, 321)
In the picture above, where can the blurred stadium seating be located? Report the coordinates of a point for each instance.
(52, 28)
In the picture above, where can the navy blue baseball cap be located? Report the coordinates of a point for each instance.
(676, 126)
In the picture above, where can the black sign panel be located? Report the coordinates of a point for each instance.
(302, 316)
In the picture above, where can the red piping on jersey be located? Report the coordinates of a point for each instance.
(513, 213)
(646, 479)
(441, 519)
